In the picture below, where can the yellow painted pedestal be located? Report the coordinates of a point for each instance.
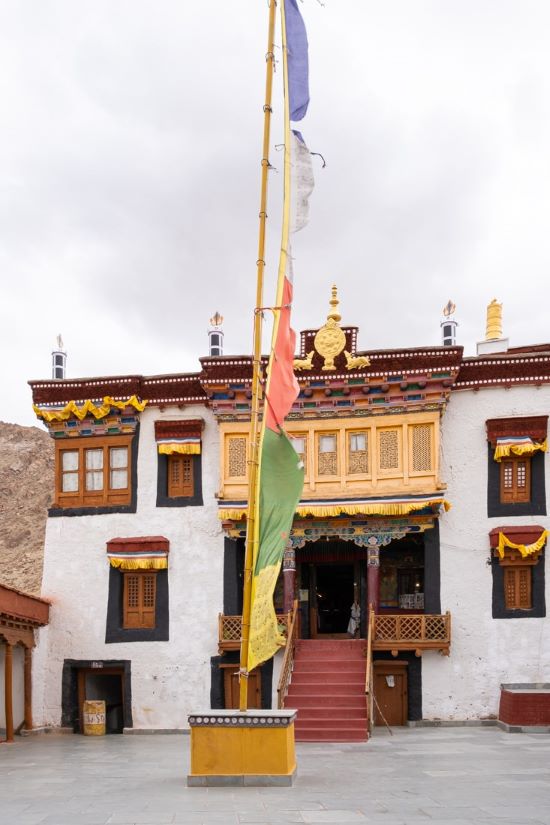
(235, 748)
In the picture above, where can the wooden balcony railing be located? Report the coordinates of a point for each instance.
(288, 659)
(369, 676)
(229, 630)
(412, 632)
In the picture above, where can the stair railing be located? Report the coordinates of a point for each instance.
(369, 686)
(288, 658)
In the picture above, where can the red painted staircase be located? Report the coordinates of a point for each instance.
(328, 690)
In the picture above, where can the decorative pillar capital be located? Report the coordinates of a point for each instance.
(373, 555)
(289, 558)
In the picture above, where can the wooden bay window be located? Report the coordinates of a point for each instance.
(93, 471)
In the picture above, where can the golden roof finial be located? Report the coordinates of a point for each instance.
(334, 302)
(494, 321)
(216, 320)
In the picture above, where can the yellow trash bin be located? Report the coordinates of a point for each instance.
(93, 717)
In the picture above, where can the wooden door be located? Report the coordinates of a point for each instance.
(390, 692)
(231, 688)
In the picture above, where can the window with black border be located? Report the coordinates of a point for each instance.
(179, 465)
(517, 566)
(515, 466)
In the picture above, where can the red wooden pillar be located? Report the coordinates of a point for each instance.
(373, 577)
(289, 578)
(28, 688)
(8, 680)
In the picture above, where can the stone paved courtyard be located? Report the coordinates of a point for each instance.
(448, 776)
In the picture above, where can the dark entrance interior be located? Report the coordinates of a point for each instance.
(105, 685)
(105, 679)
(334, 586)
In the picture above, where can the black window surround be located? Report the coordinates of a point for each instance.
(163, 499)
(535, 507)
(56, 512)
(115, 632)
(538, 601)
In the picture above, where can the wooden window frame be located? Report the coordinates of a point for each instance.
(146, 613)
(515, 495)
(514, 599)
(183, 490)
(92, 498)
(392, 472)
(228, 438)
(368, 444)
(410, 434)
(320, 477)
(304, 455)
(515, 567)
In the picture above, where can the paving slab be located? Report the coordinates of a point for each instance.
(450, 776)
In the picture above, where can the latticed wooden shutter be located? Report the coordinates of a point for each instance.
(517, 588)
(421, 448)
(140, 590)
(515, 480)
(236, 457)
(180, 475)
(389, 458)
(131, 600)
(148, 599)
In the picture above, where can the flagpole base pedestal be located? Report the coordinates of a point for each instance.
(232, 747)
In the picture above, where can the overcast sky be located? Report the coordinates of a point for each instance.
(130, 143)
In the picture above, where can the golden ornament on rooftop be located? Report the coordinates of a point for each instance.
(330, 339)
(494, 321)
(216, 320)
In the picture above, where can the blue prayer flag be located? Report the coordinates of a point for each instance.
(298, 70)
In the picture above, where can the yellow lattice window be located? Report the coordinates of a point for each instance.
(327, 455)
(236, 457)
(389, 458)
(358, 454)
(421, 448)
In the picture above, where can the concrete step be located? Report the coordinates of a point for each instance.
(314, 664)
(341, 688)
(333, 712)
(331, 724)
(322, 735)
(317, 700)
(328, 677)
(341, 647)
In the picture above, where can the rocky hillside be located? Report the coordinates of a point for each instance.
(26, 488)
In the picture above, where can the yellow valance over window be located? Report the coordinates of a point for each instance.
(518, 445)
(139, 563)
(186, 447)
(88, 407)
(525, 549)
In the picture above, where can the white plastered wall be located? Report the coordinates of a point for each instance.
(169, 679)
(484, 651)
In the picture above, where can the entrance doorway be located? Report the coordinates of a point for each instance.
(331, 592)
(105, 684)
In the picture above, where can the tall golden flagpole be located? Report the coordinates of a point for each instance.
(251, 527)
